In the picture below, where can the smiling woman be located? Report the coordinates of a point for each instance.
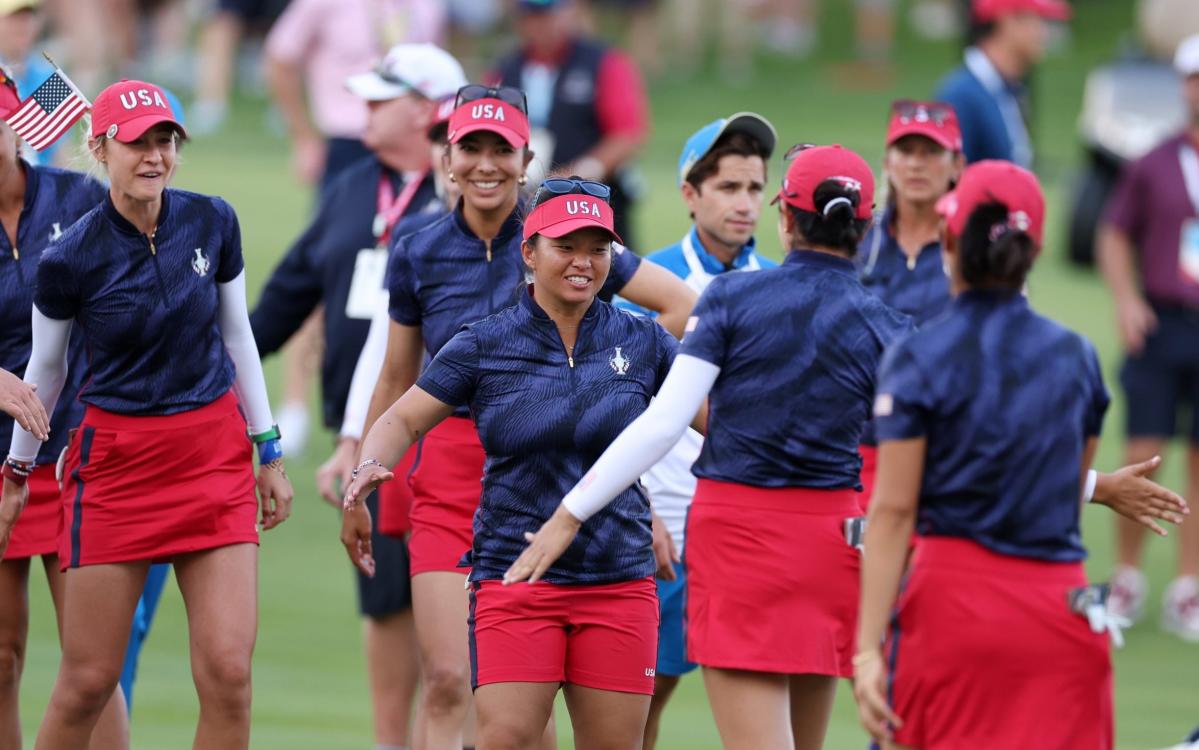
(155, 281)
(549, 383)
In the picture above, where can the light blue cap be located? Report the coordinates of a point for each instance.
(699, 144)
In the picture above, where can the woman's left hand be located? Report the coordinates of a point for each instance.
(275, 494)
(870, 690)
(546, 546)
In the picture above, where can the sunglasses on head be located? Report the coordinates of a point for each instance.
(908, 110)
(794, 151)
(507, 94)
(573, 186)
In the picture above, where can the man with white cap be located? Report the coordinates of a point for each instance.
(722, 173)
(1148, 250)
(339, 261)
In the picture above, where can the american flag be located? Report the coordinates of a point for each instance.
(49, 112)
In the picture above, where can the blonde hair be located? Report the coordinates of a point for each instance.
(88, 159)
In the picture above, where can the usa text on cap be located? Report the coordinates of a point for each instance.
(127, 109)
(563, 214)
(702, 141)
(491, 115)
(994, 181)
(992, 10)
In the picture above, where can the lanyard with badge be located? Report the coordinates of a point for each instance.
(1188, 238)
(370, 265)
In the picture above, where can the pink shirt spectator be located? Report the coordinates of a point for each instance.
(334, 39)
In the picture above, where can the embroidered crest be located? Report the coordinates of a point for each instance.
(619, 364)
(200, 263)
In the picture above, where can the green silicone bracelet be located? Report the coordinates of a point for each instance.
(271, 434)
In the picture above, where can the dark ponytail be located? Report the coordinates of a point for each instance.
(995, 254)
(834, 223)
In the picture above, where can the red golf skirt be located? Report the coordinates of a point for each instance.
(603, 636)
(36, 531)
(395, 498)
(869, 455)
(149, 488)
(446, 487)
(772, 585)
(985, 652)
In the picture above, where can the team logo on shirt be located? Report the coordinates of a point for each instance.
(55, 231)
(619, 363)
(200, 263)
(884, 404)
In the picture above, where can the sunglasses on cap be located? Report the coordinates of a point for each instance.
(796, 150)
(909, 110)
(507, 94)
(572, 186)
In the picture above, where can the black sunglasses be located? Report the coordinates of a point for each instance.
(572, 186)
(473, 92)
(908, 110)
(794, 151)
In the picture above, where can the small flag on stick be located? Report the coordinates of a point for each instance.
(49, 111)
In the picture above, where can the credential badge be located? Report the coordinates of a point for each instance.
(619, 363)
(200, 263)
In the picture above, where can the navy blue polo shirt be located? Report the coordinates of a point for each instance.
(335, 262)
(798, 347)
(148, 310)
(916, 287)
(54, 200)
(543, 423)
(443, 277)
(1006, 400)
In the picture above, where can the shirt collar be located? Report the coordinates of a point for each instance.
(992, 298)
(815, 258)
(711, 263)
(886, 223)
(511, 226)
(528, 303)
(124, 225)
(987, 74)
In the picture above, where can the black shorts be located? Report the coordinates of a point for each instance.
(258, 11)
(390, 591)
(1163, 380)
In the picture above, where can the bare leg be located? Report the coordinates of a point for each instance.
(220, 590)
(752, 709)
(513, 715)
(214, 81)
(664, 686)
(392, 667)
(1188, 533)
(14, 627)
(812, 698)
(440, 603)
(606, 719)
(112, 728)
(97, 613)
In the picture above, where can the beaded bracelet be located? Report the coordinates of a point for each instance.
(16, 471)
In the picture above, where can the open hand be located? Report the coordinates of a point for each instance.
(19, 401)
(1131, 493)
(545, 547)
(870, 691)
(274, 493)
(333, 476)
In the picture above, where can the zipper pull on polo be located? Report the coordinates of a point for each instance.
(487, 244)
(16, 255)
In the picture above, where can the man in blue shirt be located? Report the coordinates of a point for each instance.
(987, 90)
(722, 173)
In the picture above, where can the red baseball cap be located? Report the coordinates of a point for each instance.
(995, 181)
(441, 120)
(817, 164)
(992, 10)
(936, 121)
(128, 109)
(493, 115)
(563, 214)
(10, 100)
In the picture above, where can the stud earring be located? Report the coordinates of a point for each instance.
(450, 176)
(522, 180)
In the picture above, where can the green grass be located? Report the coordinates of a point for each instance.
(310, 687)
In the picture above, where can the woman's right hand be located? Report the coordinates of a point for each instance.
(356, 536)
(12, 501)
(18, 400)
(870, 691)
(333, 476)
(1136, 321)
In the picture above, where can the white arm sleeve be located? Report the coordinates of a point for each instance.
(650, 437)
(47, 370)
(366, 373)
(250, 383)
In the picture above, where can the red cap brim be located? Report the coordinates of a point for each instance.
(130, 131)
(563, 228)
(929, 130)
(514, 139)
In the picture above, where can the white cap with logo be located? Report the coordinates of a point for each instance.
(425, 69)
(1186, 57)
